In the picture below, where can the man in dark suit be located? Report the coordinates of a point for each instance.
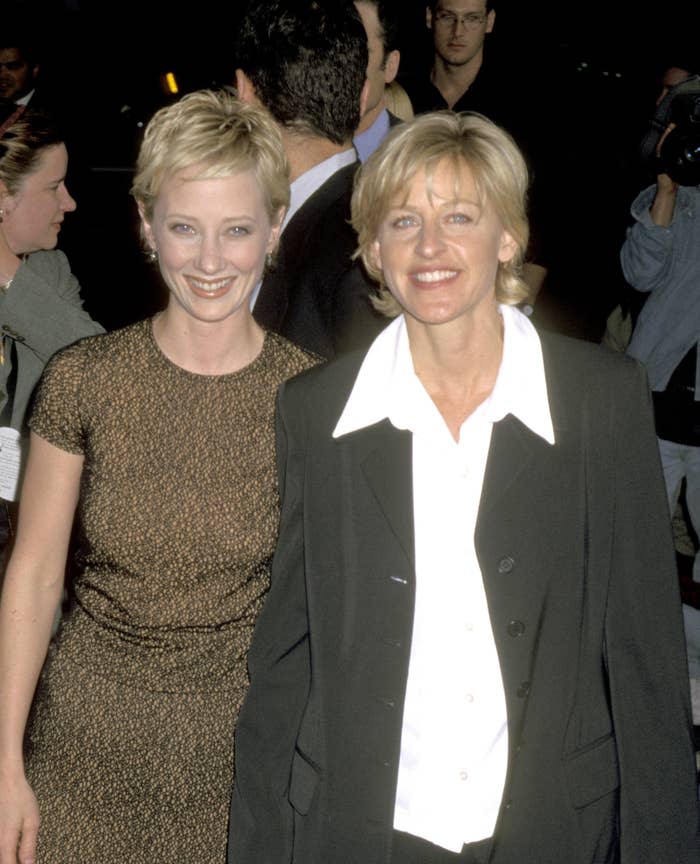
(456, 78)
(305, 61)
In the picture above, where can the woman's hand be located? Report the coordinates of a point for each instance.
(19, 821)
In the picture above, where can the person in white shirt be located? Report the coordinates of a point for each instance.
(472, 648)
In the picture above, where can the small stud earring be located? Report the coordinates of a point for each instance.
(151, 256)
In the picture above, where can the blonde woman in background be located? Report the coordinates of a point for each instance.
(398, 102)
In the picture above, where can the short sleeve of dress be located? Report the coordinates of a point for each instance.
(55, 413)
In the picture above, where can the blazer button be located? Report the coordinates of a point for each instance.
(506, 564)
(523, 690)
(516, 628)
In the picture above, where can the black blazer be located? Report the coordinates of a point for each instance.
(576, 554)
(316, 295)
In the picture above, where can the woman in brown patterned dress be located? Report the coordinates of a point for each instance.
(161, 436)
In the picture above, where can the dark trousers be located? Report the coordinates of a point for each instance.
(407, 849)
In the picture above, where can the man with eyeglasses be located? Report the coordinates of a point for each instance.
(459, 29)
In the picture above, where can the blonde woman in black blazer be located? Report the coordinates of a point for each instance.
(571, 540)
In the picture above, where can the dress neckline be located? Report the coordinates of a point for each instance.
(170, 364)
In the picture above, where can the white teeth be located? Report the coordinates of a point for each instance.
(435, 275)
(209, 287)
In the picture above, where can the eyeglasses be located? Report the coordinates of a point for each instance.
(469, 21)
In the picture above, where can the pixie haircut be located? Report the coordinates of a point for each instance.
(217, 132)
(306, 60)
(24, 135)
(499, 172)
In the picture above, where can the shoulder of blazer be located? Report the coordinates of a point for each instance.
(328, 207)
(50, 264)
(319, 241)
(320, 393)
(580, 372)
(568, 359)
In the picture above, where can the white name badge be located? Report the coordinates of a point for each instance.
(10, 462)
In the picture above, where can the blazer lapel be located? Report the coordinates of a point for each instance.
(513, 447)
(384, 454)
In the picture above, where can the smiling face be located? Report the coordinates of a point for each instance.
(34, 213)
(456, 39)
(211, 236)
(439, 247)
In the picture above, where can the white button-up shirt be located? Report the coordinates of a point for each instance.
(454, 742)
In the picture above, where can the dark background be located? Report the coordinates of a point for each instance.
(591, 70)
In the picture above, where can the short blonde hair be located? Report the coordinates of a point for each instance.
(223, 135)
(498, 168)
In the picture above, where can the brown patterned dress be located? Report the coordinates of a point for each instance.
(129, 746)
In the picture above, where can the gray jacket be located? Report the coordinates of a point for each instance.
(665, 262)
(41, 312)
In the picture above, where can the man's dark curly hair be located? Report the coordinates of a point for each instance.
(307, 60)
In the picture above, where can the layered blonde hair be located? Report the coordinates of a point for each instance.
(218, 132)
(495, 162)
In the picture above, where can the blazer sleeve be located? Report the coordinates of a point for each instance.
(645, 651)
(43, 309)
(261, 824)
